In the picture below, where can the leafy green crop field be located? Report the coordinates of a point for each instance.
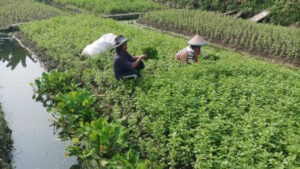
(229, 112)
(220, 5)
(16, 11)
(115, 6)
(262, 39)
(6, 143)
(282, 12)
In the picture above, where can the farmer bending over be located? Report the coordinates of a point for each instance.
(125, 65)
(191, 52)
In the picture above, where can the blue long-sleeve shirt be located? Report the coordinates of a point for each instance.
(122, 64)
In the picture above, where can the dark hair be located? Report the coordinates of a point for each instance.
(194, 47)
(120, 47)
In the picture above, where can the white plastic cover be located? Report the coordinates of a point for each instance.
(103, 44)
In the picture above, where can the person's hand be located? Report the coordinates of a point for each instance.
(144, 56)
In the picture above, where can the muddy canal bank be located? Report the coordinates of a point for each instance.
(6, 143)
(47, 62)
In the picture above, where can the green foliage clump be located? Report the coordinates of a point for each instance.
(96, 140)
(285, 13)
(17, 11)
(236, 112)
(52, 84)
(213, 57)
(6, 143)
(101, 143)
(261, 39)
(74, 107)
(115, 6)
(150, 51)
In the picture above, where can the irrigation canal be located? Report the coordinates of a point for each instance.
(35, 145)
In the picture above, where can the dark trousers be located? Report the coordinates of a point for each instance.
(140, 66)
(135, 72)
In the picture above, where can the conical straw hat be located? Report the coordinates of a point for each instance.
(197, 40)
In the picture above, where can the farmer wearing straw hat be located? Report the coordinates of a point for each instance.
(191, 52)
(125, 65)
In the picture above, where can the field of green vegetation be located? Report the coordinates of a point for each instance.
(261, 39)
(6, 143)
(231, 111)
(16, 11)
(219, 5)
(113, 7)
(283, 12)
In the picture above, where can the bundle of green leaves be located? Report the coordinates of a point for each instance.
(213, 57)
(150, 51)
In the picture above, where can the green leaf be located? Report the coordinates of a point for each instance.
(37, 82)
(75, 140)
(104, 163)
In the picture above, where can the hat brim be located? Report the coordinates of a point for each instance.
(200, 44)
(121, 43)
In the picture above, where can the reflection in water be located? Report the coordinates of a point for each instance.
(11, 53)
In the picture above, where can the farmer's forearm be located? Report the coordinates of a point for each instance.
(134, 58)
(136, 63)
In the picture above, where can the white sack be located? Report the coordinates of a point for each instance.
(103, 44)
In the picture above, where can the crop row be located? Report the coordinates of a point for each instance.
(233, 112)
(262, 39)
(17, 11)
(114, 7)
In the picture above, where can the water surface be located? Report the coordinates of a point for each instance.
(36, 147)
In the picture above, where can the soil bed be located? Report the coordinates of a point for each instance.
(128, 16)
